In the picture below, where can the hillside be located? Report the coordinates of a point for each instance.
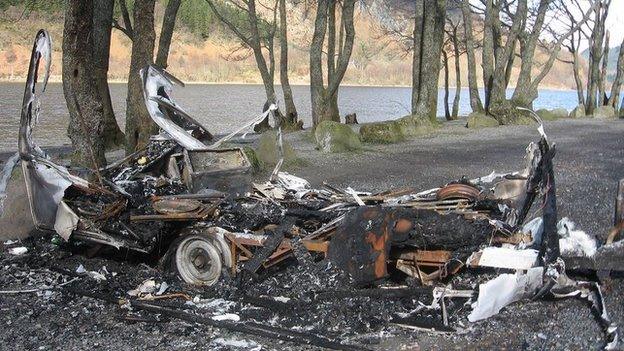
(202, 51)
(614, 52)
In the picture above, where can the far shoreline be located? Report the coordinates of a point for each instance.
(57, 79)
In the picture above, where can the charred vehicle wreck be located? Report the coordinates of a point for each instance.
(189, 202)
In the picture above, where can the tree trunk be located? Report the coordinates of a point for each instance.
(614, 100)
(102, 26)
(331, 38)
(487, 52)
(523, 94)
(509, 67)
(458, 84)
(126, 18)
(577, 78)
(139, 125)
(447, 112)
(526, 90)
(346, 45)
(86, 114)
(266, 73)
(325, 99)
(595, 56)
(166, 32)
(419, 30)
(317, 88)
(497, 104)
(289, 102)
(602, 85)
(473, 89)
(430, 18)
(333, 113)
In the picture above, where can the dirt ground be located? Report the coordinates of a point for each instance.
(589, 162)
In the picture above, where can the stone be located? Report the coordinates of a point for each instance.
(604, 112)
(412, 125)
(267, 153)
(256, 164)
(521, 120)
(381, 133)
(351, 119)
(552, 115)
(336, 137)
(578, 112)
(560, 113)
(480, 120)
(546, 115)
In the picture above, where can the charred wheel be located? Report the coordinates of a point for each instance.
(198, 261)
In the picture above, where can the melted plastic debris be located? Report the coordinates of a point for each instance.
(17, 251)
(574, 242)
(236, 344)
(5, 175)
(226, 317)
(504, 290)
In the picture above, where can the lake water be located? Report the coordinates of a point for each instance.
(222, 107)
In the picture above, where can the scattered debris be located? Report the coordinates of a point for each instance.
(503, 290)
(227, 317)
(285, 250)
(237, 344)
(98, 276)
(504, 257)
(574, 242)
(18, 250)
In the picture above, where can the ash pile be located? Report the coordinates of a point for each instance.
(327, 267)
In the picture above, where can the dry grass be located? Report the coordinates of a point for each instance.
(210, 60)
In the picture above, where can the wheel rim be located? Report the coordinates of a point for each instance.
(198, 261)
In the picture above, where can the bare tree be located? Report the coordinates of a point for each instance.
(258, 34)
(394, 25)
(289, 102)
(453, 42)
(573, 47)
(602, 79)
(595, 53)
(510, 24)
(475, 99)
(614, 99)
(86, 114)
(166, 32)
(102, 26)
(445, 64)
(428, 39)
(491, 22)
(139, 126)
(591, 28)
(325, 97)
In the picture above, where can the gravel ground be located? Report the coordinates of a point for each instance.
(588, 164)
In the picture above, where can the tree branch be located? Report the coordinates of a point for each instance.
(345, 55)
(557, 46)
(229, 24)
(126, 18)
(125, 31)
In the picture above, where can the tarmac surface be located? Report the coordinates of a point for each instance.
(588, 164)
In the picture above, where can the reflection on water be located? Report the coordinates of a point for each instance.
(222, 107)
